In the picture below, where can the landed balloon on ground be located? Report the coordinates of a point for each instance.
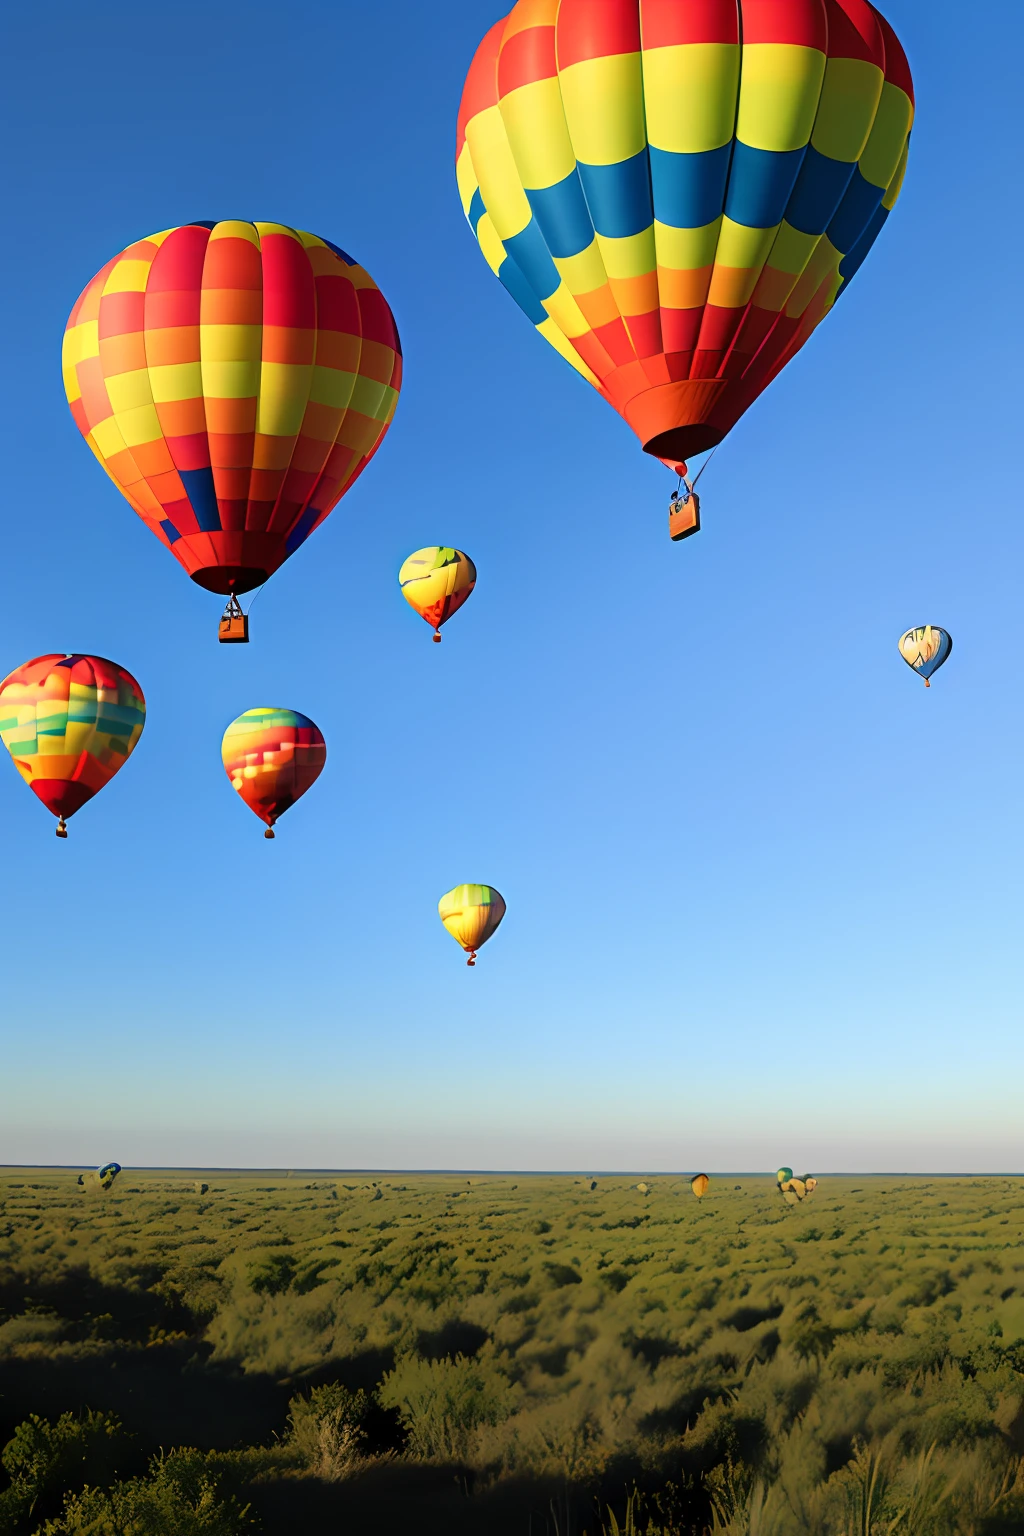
(471, 913)
(70, 722)
(436, 581)
(100, 1181)
(699, 1184)
(783, 1174)
(925, 650)
(234, 380)
(677, 191)
(272, 756)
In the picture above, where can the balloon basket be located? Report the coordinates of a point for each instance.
(437, 637)
(61, 828)
(472, 957)
(270, 833)
(683, 517)
(234, 625)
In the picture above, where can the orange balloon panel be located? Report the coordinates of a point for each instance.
(272, 756)
(233, 380)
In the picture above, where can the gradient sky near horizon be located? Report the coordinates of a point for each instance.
(764, 890)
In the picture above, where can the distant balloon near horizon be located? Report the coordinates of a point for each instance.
(699, 1184)
(101, 1180)
(70, 723)
(471, 913)
(782, 1174)
(436, 581)
(234, 380)
(272, 756)
(675, 192)
(925, 650)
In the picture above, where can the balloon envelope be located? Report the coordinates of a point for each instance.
(234, 380)
(784, 1174)
(699, 1184)
(676, 191)
(471, 913)
(926, 648)
(69, 723)
(436, 582)
(272, 756)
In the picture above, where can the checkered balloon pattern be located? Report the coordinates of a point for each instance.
(234, 380)
(676, 191)
(272, 756)
(70, 723)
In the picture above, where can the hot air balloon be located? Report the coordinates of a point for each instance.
(101, 1180)
(234, 380)
(925, 649)
(783, 1175)
(70, 722)
(272, 756)
(436, 582)
(676, 191)
(471, 913)
(699, 1184)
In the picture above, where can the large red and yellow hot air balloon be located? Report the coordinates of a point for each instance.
(677, 191)
(70, 722)
(233, 380)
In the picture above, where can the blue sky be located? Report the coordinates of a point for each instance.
(764, 891)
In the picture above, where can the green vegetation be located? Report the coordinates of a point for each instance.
(524, 1355)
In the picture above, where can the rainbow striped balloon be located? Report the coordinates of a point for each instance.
(676, 191)
(70, 722)
(272, 756)
(233, 380)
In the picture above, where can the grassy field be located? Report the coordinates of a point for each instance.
(543, 1356)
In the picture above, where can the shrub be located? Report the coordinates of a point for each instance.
(442, 1403)
(43, 1459)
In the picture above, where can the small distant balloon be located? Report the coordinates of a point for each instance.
(436, 581)
(471, 913)
(699, 1184)
(272, 756)
(101, 1180)
(926, 649)
(70, 722)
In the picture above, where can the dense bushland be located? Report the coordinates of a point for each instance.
(522, 1355)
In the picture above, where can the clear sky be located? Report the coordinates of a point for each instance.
(764, 890)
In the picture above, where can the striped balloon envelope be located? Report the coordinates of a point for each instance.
(677, 191)
(70, 722)
(471, 914)
(272, 756)
(234, 380)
